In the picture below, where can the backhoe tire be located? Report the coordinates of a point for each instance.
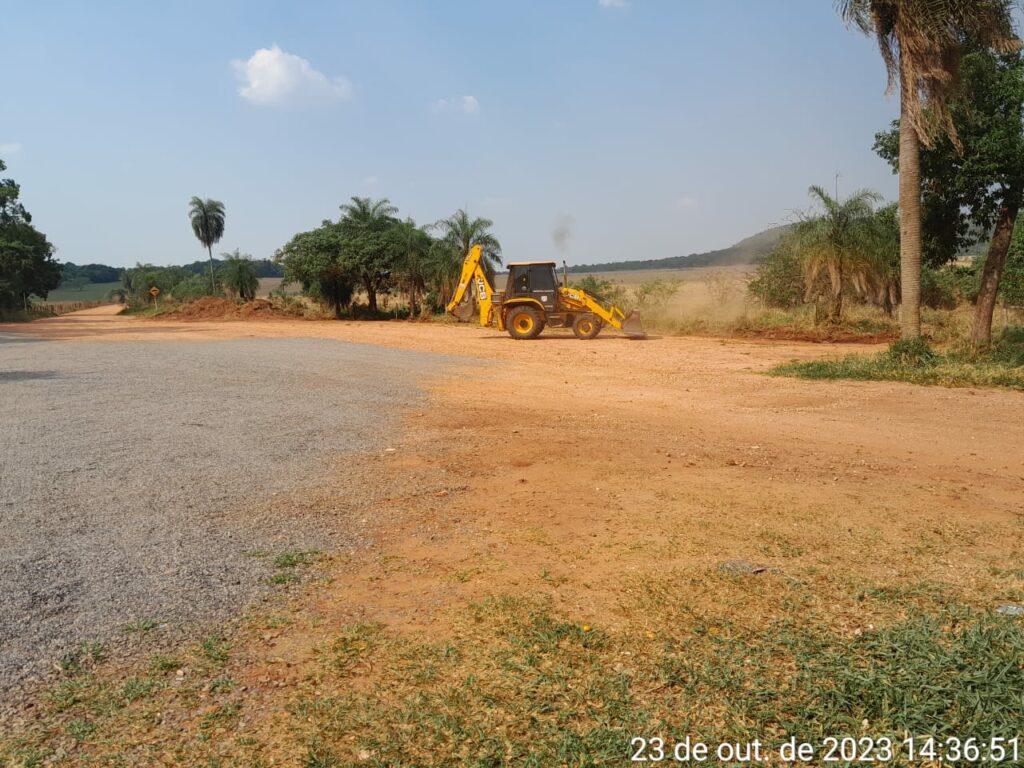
(524, 323)
(587, 327)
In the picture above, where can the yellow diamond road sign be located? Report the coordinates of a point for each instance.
(154, 291)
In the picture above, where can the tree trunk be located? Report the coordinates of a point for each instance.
(910, 215)
(412, 303)
(371, 295)
(213, 280)
(992, 274)
(835, 308)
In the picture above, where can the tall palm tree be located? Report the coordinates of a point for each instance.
(837, 242)
(207, 217)
(366, 212)
(464, 232)
(920, 42)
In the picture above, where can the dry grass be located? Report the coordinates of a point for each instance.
(515, 683)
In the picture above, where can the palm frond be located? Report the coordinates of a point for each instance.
(921, 43)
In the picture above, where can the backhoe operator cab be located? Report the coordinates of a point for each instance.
(532, 300)
(529, 284)
(534, 279)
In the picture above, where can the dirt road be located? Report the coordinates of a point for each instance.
(616, 435)
(581, 470)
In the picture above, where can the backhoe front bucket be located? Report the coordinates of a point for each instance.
(633, 328)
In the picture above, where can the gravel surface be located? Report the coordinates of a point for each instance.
(135, 477)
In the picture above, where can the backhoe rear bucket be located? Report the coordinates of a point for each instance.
(463, 312)
(633, 328)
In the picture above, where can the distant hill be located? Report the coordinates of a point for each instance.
(746, 251)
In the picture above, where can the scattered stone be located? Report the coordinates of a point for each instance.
(1011, 609)
(745, 566)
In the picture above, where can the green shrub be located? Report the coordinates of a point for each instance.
(192, 288)
(605, 290)
(656, 294)
(911, 352)
(939, 288)
(1011, 287)
(778, 281)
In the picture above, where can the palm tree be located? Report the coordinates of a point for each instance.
(365, 223)
(464, 232)
(367, 212)
(920, 42)
(238, 273)
(414, 247)
(443, 266)
(837, 242)
(207, 218)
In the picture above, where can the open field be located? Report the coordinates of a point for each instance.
(580, 542)
(88, 292)
(269, 284)
(695, 275)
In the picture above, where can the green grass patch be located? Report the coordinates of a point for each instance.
(216, 649)
(295, 559)
(142, 625)
(1002, 365)
(80, 730)
(137, 688)
(85, 657)
(520, 686)
(159, 663)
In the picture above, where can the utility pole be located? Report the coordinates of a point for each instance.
(837, 185)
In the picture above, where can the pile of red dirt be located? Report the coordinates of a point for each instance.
(213, 308)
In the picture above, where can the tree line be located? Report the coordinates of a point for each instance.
(958, 148)
(370, 249)
(27, 264)
(957, 143)
(346, 264)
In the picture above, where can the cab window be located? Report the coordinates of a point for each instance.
(542, 279)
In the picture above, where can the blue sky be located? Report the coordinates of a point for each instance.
(655, 127)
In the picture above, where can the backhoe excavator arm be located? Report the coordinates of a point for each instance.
(473, 274)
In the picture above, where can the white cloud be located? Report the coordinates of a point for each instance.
(467, 104)
(272, 77)
(11, 148)
(613, 3)
(686, 201)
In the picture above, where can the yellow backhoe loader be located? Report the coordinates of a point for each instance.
(533, 299)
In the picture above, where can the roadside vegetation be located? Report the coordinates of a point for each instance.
(513, 682)
(1000, 365)
(27, 264)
